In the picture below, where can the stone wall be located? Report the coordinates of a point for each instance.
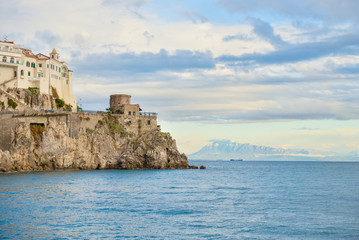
(74, 122)
(50, 141)
(7, 124)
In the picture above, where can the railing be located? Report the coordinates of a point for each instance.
(148, 114)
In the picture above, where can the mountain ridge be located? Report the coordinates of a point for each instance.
(227, 149)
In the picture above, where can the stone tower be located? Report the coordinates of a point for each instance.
(54, 55)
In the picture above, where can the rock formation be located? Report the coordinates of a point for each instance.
(107, 146)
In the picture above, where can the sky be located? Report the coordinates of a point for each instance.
(279, 73)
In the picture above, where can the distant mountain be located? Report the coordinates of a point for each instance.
(226, 149)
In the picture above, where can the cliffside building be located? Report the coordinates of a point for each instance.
(21, 68)
(121, 104)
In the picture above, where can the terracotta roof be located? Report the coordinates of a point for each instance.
(12, 42)
(41, 56)
(28, 53)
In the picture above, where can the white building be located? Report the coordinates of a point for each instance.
(20, 68)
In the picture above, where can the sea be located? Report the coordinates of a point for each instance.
(228, 200)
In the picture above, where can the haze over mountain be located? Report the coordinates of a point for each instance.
(226, 150)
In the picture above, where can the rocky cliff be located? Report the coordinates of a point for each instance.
(25, 99)
(107, 146)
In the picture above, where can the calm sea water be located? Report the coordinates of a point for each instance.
(228, 200)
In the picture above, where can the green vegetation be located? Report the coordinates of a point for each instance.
(59, 103)
(34, 90)
(2, 105)
(54, 93)
(119, 111)
(11, 103)
(109, 110)
(101, 122)
(36, 132)
(79, 109)
(68, 107)
(114, 127)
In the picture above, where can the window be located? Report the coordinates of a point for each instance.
(148, 122)
(134, 114)
(47, 65)
(56, 68)
(27, 64)
(17, 62)
(129, 113)
(15, 74)
(33, 65)
(38, 74)
(40, 65)
(4, 59)
(12, 60)
(22, 72)
(28, 74)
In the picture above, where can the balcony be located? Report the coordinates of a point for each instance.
(148, 114)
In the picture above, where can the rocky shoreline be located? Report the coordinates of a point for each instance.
(103, 147)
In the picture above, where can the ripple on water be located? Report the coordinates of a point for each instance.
(258, 200)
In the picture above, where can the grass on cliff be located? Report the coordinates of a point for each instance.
(36, 132)
(12, 103)
(114, 127)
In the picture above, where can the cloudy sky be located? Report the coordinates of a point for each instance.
(280, 73)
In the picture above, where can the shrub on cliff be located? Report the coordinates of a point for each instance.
(36, 132)
(59, 103)
(11, 103)
(115, 127)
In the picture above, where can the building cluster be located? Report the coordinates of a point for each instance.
(21, 68)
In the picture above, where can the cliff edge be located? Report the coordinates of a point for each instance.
(108, 145)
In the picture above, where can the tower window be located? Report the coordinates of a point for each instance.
(149, 122)
(129, 113)
(4, 59)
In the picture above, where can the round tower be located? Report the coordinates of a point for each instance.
(118, 100)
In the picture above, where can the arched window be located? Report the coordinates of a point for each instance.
(27, 64)
(4, 59)
(33, 65)
(22, 72)
(12, 60)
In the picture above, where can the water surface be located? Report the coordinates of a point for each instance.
(228, 200)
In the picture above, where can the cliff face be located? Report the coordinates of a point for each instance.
(25, 100)
(107, 146)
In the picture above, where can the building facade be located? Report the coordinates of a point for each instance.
(21, 68)
(121, 104)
